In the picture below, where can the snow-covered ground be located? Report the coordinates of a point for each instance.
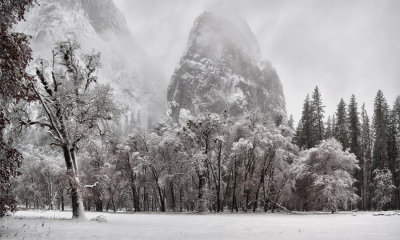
(54, 225)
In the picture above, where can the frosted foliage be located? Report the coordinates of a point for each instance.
(383, 188)
(43, 176)
(328, 171)
(262, 147)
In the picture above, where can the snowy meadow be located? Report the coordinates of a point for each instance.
(343, 225)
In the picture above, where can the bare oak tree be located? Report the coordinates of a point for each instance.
(72, 107)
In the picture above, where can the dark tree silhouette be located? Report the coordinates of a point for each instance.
(15, 55)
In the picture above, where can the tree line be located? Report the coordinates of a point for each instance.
(213, 162)
(375, 143)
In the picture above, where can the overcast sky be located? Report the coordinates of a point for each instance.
(344, 47)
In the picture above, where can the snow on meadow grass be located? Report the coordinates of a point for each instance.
(344, 225)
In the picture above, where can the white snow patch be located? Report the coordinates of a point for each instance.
(186, 76)
(184, 115)
(364, 226)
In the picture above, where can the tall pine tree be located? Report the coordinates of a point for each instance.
(318, 116)
(304, 132)
(396, 173)
(392, 142)
(291, 121)
(333, 125)
(341, 127)
(396, 119)
(328, 130)
(393, 150)
(381, 130)
(354, 140)
(354, 127)
(365, 159)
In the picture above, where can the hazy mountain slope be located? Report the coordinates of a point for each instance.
(222, 69)
(99, 25)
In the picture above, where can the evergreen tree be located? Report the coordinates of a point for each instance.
(354, 140)
(380, 125)
(291, 121)
(396, 110)
(354, 127)
(328, 131)
(393, 151)
(396, 172)
(333, 125)
(396, 119)
(304, 132)
(341, 127)
(392, 141)
(383, 188)
(365, 159)
(318, 115)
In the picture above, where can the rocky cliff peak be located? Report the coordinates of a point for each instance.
(221, 69)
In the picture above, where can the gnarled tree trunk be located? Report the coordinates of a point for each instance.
(76, 196)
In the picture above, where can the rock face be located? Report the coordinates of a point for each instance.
(105, 16)
(138, 85)
(222, 69)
